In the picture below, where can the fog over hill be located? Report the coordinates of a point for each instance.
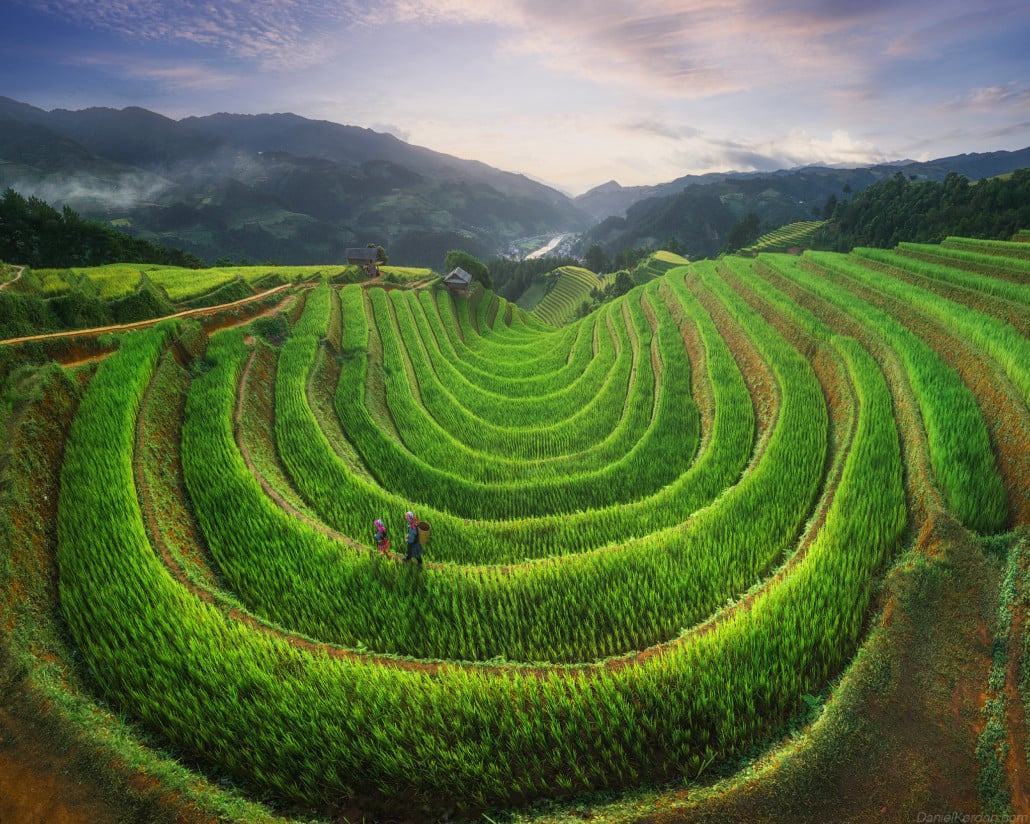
(284, 188)
(276, 187)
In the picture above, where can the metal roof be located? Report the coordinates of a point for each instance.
(458, 275)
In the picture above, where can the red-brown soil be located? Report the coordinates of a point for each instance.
(38, 783)
(898, 737)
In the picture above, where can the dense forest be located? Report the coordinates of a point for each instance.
(903, 210)
(34, 233)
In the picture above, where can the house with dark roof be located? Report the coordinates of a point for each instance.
(458, 282)
(366, 258)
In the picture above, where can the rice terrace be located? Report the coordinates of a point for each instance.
(747, 543)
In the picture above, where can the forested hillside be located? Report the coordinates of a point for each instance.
(34, 233)
(902, 210)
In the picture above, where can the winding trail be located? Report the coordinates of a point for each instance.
(6, 283)
(143, 324)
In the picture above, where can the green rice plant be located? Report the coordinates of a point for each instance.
(960, 259)
(115, 279)
(311, 727)
(549, 356)
(423, 435)
(799, 233)
(572, 285)
(512, 410)
(996, 337)
(941, 269)
(576, 432)
(960, 450)
(532, 537)
(481, 372)
(1001, 248)
(546, 611)
(53, 282)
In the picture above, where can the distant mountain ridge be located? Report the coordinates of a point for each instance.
(612, 200)
(284, 188)
(274, 186)
(700, 212)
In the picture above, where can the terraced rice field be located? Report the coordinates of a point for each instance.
(120, 279)
(656, 533)
(657, 264)
(794, 235)
(572, 286)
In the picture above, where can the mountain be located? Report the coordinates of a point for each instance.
(286, 188)
(270, 187)
(704, 209)
(612, 200)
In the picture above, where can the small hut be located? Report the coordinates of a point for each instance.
(458, 282)
(367, 258)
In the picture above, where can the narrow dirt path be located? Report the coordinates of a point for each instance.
(17, 277)
(143, 324)
(701, 390)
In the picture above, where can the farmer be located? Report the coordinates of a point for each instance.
(414, 547)
(379, 535)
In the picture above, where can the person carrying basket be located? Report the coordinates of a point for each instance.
(414, 541)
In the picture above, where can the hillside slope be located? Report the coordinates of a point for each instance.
(270, 187)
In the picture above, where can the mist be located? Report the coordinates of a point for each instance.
(83, 191)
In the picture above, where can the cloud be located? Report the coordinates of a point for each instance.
(1022, 129)
(685, 49)
(679, 49)
(84, 190)
(694, 49)
(928, 36)
(659, 128)
(171, 75)
(992, 98)
(277, 33)
(783, 151)
(390, 128)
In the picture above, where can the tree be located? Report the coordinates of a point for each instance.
(34, 233)
(623, 283)
(596, 260)
(480, 271)
(743, 233)
(380, 253)
(633, 257)
(673, 245)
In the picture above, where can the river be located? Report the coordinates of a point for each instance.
(543, 250)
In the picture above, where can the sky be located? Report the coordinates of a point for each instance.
(573, 93)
